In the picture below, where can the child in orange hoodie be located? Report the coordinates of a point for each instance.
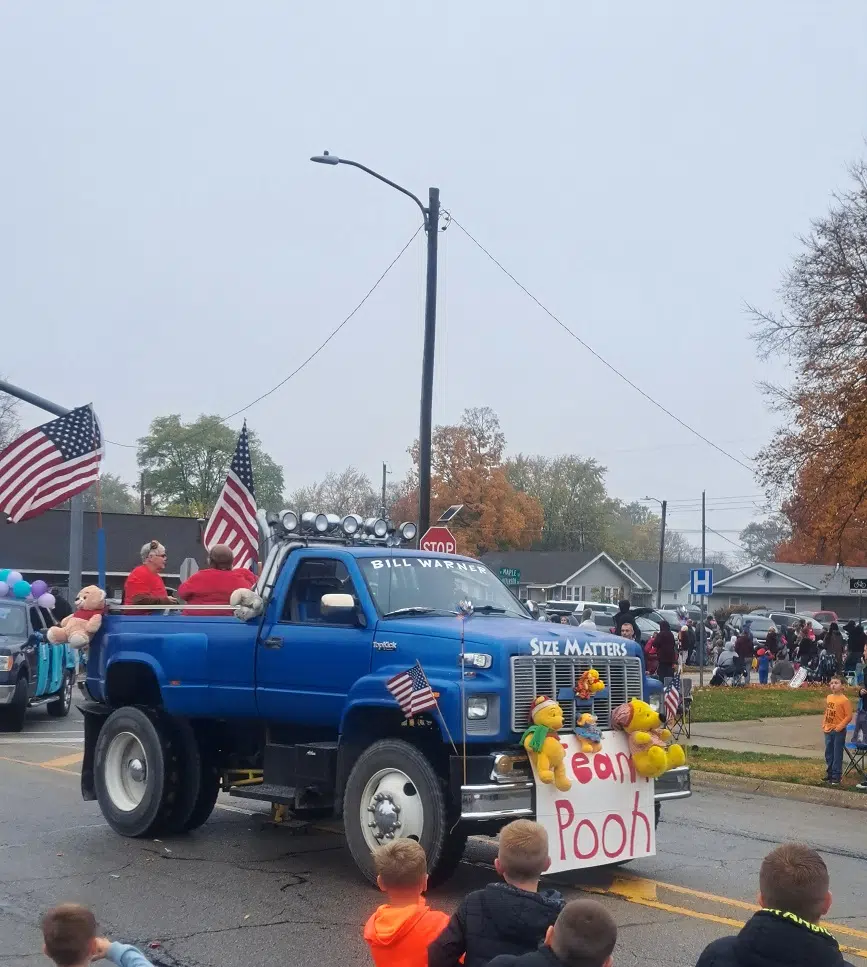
(400, 931)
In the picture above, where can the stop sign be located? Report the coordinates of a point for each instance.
(439, 539)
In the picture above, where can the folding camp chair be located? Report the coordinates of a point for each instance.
(681, 724)
(856, 754)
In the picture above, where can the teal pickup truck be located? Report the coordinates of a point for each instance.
(32, 671)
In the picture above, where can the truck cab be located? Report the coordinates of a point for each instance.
(293, 705)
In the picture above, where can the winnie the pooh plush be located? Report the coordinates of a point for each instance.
(543, 743)
(589, 684)
(588, 733)
(78, 629)
(650, 744)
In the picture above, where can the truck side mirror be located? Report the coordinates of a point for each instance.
(341, 606)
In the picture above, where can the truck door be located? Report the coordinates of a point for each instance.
(307, 662)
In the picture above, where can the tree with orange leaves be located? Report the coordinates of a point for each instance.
(817, 463)
(467, 468)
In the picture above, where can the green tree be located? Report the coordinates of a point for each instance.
(115, 497)
(186, 465)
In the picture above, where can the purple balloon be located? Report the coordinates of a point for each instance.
(38, 588)
(13, 577)
(4, 589)
(46, 600)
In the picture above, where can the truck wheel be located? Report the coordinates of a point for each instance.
(138, 772)
(209, 786)
(12, 715)
(60, 707)
(184, 769)
(450, 858)
(393, 792)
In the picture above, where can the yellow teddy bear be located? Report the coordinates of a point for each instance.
(542, 742)
(650, 744)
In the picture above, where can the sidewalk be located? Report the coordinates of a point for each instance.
(800, 736)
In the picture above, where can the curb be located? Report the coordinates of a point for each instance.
(780, 790)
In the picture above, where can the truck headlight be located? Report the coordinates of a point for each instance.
(477, 707)
(475, 659)
(5, 663)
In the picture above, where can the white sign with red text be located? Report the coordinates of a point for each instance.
(608, 814)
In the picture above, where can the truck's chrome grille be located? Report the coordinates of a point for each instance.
(534, 675)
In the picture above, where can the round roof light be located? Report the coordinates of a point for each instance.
(376, 527)
(408, 531)
(289, 520)
(351, 524)
(320, 523)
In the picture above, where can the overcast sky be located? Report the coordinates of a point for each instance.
(644, 169)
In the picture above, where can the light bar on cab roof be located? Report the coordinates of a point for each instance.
(351, 528)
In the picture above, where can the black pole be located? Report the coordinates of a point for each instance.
(661, 557)
(432, 221)
(702, 644)
(384, 509)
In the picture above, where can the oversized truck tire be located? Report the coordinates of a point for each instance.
(12, 715)
(393, 792)
(147, 772)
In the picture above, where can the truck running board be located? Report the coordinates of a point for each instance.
(266, 792)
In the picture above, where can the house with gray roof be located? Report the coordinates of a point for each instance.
(791, 587)
(675, 578)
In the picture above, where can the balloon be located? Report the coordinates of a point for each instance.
(46, 600)
(21, 589)
(4, 575)
(38, 588)
(12, 578)
(4, 589)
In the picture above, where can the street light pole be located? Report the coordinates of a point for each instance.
(431, 215)
(664, 505)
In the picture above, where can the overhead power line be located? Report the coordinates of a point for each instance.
(314, 354)
(597, 356)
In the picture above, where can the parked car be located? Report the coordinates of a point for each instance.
(825, 618)
(672, 617)
(32, 672)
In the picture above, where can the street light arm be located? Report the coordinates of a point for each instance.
(387, 181)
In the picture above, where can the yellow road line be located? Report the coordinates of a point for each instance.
(38, 765)
(64, 760)
(643, 892)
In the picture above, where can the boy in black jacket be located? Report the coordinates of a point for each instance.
(583, 936)
(794, 895)
(504, 918)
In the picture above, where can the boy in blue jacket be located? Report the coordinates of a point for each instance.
(69, 932)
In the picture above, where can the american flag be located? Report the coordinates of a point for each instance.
(672, 696)
(412, 690)
(233, 519)
(50, 464)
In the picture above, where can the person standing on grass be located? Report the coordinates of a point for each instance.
(838, 714)
(666, 651)
(854, 645)
(834, 646)
(744, 651)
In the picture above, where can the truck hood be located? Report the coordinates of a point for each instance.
(497, 634)
(9, 644)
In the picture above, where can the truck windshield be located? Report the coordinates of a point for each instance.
(12, 620)
(433, 585)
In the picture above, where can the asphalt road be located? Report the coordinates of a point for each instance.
(242, 893)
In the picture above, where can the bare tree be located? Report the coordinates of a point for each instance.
(10, 426)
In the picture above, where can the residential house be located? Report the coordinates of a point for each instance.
(791, 587)
(675, 579)
(568, 576)
(39, 548)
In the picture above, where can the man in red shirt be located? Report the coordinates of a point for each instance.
(215, 584)
(144, 584)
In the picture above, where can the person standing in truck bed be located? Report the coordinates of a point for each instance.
(215, 584)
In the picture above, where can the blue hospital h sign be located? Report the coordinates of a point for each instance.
(701, 581)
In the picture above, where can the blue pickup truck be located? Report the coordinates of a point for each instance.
(291, 706)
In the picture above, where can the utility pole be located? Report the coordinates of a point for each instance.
(432, 225)
(702, 637)
(76, 504)
(383, 507)
(661, 556)
(141, 494)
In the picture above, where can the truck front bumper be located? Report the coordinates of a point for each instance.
(500, 786)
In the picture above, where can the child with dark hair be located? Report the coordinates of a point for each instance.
(69, 934)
